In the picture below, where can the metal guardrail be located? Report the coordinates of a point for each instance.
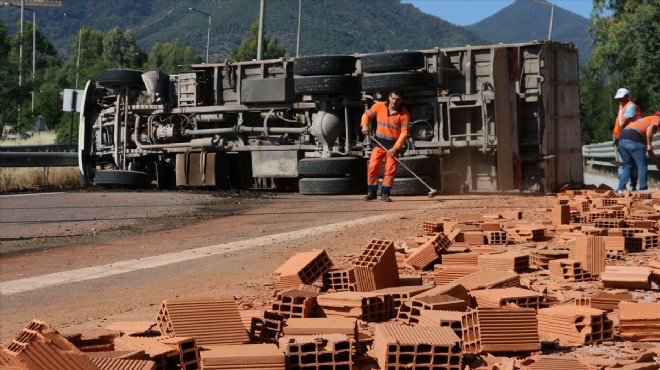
(38, 159)
(73, 147)
(63, 155)
(52, 155)
(601, 154)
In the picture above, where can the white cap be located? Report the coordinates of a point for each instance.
(621, 93)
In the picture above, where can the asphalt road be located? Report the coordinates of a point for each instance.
(81, 260)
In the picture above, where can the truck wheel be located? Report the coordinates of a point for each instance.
(419, 164)
(409, 186)
(408, 80)
(332, 185)
(330, 167)
(324, 65)
(327, 85)
(391, 62)
(130, 179)
(117, 78)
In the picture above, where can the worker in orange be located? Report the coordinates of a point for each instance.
(628, 112)
(392, 123)
(635, 140)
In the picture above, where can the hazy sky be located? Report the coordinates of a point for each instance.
(466, 12)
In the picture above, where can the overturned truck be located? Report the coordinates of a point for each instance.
(483, 119)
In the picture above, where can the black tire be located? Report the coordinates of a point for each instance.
(419, 164)
(332, 186)
(409, 80)
(392, 62)
(324, 65)
(330, 167)
(121, 178)
(327, 85)
(119, 78)
(409, 186)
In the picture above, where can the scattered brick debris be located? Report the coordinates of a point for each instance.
(573, 286)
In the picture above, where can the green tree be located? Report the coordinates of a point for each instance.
(121, 49)
(12, 95)
(626, 43)
(171, 56)
(112, 46)
(134, 56)
(247, 50)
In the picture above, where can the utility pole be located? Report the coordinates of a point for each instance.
(21, 4)
(208, 35)
(260, 40)
(298, 33)
(552, 15)
(79, 42)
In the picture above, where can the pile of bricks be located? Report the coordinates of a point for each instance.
(484, 291)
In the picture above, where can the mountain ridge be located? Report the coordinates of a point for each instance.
(328, 26)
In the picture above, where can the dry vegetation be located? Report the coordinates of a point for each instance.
(21, 178)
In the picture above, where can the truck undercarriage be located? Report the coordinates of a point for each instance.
(486, 118)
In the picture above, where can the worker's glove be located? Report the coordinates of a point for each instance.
(616, 143)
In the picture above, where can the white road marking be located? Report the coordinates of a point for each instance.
(120, 267)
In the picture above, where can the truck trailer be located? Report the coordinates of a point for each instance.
(492, 118)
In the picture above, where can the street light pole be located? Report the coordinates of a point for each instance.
(208, 34)
(79, 42)
(260, 39)
(298, 33)
(34, 46)
(552, 15)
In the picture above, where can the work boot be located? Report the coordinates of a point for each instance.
(371, 192)
(385, 194)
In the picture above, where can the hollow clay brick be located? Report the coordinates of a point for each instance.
(567, 270)
(442, 318)
(628, 277)
(416, 347)
(295, 303)
(445, 274)
(471, 259)
(608, 301)
(561, 214)
(302, 268)
(339, 280)
(497, 298)
(575, 324)
(423, 256)
(590, 251)
(329, 325)
(639, 321)
(120, 363)
(401, 294)
(554, 362)
(489, 278)
(366, 306)
(540, 259)
(211, 320)
(247, 356)
(320, 351)
(40, 347)
(504, 261)
(500, 330)
(376, 268)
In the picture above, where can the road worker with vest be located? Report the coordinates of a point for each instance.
(392, 123)
(635, 140)
(628, 112)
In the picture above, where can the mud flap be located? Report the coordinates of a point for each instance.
(200, 169)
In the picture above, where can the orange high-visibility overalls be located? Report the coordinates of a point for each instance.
(391, 132)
